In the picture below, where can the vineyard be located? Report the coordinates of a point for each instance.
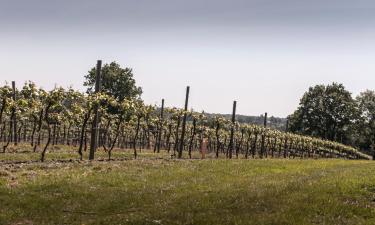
(99, 122)
(213, 112)
(46, 138)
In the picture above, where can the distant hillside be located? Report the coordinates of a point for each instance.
(274, 122)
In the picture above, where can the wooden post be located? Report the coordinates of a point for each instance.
(161, 124)
(262, 147)
(265, 119)
(231, 141)
(94, 129)
(15, 138)
(184, 123)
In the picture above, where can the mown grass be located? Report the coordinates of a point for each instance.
(168, 191)
(24, 152)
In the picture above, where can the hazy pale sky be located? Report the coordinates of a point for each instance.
(262, 53)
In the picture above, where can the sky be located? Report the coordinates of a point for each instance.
(262, 53)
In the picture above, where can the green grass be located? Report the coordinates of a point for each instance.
(166, 191)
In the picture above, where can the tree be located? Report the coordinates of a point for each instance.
(365, 128)
(325, 111)
(116, 81)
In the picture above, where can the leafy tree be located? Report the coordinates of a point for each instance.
(116, 81)
(365, 135)
(325, 111)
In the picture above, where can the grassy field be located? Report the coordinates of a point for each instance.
(158, 190)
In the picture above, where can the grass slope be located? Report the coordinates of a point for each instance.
(162, 191)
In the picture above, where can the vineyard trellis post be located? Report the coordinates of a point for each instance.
(14, 116)
(94, 129)
(231, 141)
(184, 123)
(161, 124)
(262, 147)
(265, 120)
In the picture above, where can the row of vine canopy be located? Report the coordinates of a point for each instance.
(64, 116)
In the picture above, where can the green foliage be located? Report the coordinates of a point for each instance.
(5, 100)
(365, 127)
(325, 111)
(116, 81)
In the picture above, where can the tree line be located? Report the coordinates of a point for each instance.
(331, 113)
